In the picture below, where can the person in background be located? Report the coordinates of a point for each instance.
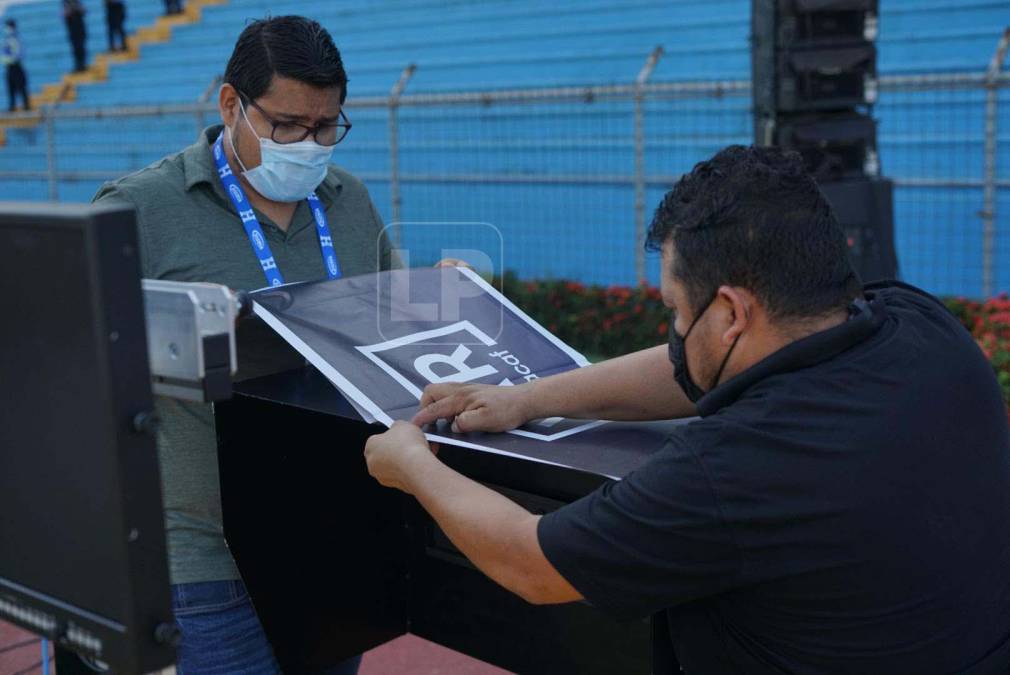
(73, 16)
(173, 7)
(115, 17)
(17, 80)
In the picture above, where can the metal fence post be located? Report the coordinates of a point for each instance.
(203, 99)
(988, 212)
(394, 151)
(47, 115)
(643, 77)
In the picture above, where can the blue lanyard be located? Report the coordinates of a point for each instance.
(252, 224)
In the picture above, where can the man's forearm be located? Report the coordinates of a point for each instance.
(493, 532)
(638, 386)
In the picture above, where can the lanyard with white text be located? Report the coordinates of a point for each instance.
(252, 225)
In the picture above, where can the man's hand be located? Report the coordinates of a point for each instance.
(453, 262)
(474, 407)
(397, 456)
(496, 534)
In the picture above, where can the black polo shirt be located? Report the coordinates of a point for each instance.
(843, 506)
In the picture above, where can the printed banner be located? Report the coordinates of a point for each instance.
(382, 338)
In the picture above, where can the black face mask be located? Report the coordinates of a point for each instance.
(678, 357)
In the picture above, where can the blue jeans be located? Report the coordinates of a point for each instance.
(221, 634)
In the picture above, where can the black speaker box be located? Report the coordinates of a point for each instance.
(865, 210)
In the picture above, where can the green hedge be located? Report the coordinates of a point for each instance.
(597, 320)
(989, 323)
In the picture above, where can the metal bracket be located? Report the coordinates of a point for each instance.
(650, 64)
(191, 338)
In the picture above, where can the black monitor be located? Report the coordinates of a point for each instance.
(82, 540)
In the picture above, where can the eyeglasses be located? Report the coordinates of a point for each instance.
(292, 132)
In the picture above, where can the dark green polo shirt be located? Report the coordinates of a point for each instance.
(189, 231)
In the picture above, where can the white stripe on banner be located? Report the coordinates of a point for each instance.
(493, 292)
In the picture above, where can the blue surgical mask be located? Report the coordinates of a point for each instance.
(288, 172)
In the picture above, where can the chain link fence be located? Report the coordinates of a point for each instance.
(560, 183)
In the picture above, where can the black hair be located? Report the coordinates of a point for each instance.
(289, 46)
(753, 217)
(12, 23)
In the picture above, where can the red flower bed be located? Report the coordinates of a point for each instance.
(989, 323)
(609, 321)
(599, 321)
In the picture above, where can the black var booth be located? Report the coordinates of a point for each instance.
(337, 564)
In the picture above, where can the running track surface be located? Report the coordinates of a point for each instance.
(407, 655)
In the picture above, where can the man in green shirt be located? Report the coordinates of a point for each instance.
(245, 219)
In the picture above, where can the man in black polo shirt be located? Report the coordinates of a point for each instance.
(841, 506)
